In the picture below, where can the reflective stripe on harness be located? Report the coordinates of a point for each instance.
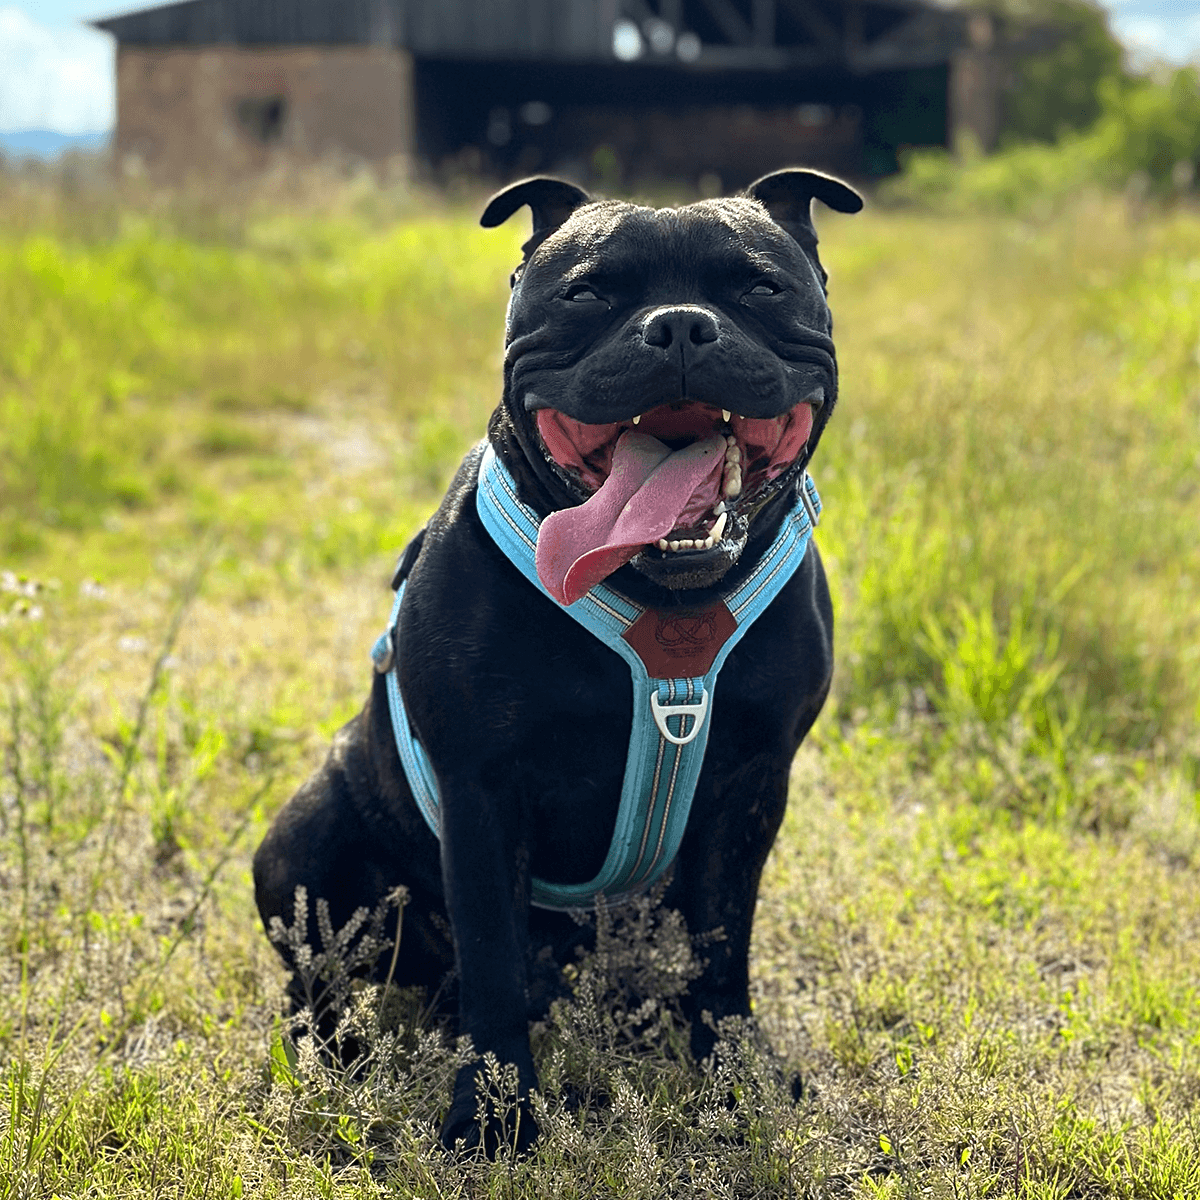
(674, 657)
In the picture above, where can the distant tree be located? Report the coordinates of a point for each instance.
(1152, 128)
(1056, 90)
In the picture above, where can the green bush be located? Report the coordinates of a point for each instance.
(1021, 179)
(1151, 129)
(1147, 138)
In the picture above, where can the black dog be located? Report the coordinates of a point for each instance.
(706, 328)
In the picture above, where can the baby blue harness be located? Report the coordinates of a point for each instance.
(674, 657)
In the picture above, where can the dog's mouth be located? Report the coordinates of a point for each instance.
(673, 482)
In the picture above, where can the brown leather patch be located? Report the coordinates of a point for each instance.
(681, 642)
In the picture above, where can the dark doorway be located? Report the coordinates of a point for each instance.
(262, 117)
(631, 121)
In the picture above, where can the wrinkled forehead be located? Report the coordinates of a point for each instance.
(611, 239)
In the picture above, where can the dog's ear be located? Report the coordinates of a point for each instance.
(788, 196)
(550, 200)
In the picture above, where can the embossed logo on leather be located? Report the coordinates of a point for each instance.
(681, 635)
(682, 642)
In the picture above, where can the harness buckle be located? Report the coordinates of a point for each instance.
(697, 710)
(383, 653)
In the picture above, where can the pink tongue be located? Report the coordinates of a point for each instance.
(647, 491)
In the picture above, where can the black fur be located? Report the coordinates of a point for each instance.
(524, 714)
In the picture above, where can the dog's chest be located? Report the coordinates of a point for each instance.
(542, 711)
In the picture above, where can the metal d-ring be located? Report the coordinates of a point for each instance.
(696, 710)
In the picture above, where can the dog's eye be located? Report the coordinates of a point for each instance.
(764, 287)
(581, 292)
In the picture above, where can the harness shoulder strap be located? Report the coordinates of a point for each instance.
(674, 658)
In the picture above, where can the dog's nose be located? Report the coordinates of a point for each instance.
(685, 325)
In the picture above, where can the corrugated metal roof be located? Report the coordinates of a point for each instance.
(578, 29)
(258, 22)
(765, 34)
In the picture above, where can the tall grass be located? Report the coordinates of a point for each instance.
(976, 941)
(149, 367)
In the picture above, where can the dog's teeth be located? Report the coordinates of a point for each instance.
(719, 509)
(674, 545)
(733, 482)
(733, 454)
(708, 542)
(725, 415)
(637, 418)
(686, 543)
(718, 530)
(663, 543)
(730, 441)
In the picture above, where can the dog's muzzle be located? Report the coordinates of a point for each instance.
(678, 479)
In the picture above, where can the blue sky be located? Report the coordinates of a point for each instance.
(57, 74)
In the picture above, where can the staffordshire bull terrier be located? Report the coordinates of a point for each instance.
(641, 505)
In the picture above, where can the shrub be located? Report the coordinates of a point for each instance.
(1151, 129)
(1148, 135)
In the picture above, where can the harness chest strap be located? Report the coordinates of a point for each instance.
(674, 657)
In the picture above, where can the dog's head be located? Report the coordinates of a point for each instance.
(668, 372)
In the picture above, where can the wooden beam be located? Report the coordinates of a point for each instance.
(816, 22)
(854, 25)
(731, 22)
(927, 36)
(762, 14)
(671, 11)
(636, 10)
(762, 58)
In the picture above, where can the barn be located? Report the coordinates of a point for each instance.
(626, 90)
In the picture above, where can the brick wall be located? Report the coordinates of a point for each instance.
(225, 112)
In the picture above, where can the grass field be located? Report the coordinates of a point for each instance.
(978, 938)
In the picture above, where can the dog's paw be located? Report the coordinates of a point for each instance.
(485, 1115)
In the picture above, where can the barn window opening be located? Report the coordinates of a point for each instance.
(660, 35)
(814, 114)
(627, 43)
(499, 127)
(537, 112)
(262, 117)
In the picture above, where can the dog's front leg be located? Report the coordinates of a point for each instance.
(719, 867)
(487, 893)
